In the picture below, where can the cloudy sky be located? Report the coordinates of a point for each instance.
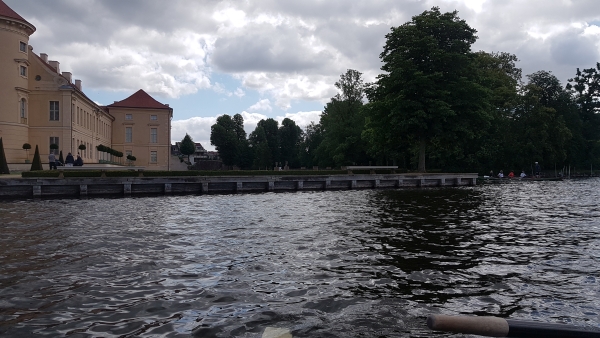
(275, 58)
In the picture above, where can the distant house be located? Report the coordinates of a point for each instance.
(199, 155)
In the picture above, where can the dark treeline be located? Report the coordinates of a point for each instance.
(438, 105)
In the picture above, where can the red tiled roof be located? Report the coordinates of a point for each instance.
(140, 99)
(7, 12)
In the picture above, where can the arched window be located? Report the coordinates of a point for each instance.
(23, 109)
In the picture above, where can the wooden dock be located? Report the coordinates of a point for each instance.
(127, 186)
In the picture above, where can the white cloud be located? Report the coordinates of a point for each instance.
(120, 66)
(239, 92)
(302, 118)
(197, 127)
(288, 51)
(251, 120)
(262, 105)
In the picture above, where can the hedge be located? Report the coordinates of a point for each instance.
(164, 173)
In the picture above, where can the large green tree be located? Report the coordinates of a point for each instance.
(187, 146)
(585, 87)
(224, 135)
(553, 95)
(538, 131)
(343, 122)
(290, 137)
(311, 139)
(429, 91)
(260, 146)
(244, 152)
(498, 74)
(271, 131)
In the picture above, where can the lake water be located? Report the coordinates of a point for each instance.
(368, 263)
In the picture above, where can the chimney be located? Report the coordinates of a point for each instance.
(55, 65)
(44, 57)
(78, 84)
(68, 76)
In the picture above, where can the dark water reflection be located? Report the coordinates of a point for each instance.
(321, 264)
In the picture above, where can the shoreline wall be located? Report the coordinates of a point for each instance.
(128, 186)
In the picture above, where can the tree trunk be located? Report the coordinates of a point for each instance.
(422, 148)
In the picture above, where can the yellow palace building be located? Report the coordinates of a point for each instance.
(40, 105)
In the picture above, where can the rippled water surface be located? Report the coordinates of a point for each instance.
(367, 263)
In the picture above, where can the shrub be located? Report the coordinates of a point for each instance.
(36, 164)
(42, 174)
(3, 164)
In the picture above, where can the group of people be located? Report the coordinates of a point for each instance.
(537, 172)
(511, 174)
(70, 161)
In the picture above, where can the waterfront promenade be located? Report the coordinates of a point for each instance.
(12, 186)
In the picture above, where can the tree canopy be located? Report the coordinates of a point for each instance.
(187, 146)
(436, 102)
(342, 123)
(429, 90)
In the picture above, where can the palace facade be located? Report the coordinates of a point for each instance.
(40, 105)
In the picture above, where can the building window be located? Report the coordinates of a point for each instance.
(128, 134)
(22, 46)
(153, 135)
(153, 117)
(153, 157)
(23, 71)
(54, 140)
(54, 109)
(128, 117)
(22, 106)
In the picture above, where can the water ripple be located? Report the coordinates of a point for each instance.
(335, 263)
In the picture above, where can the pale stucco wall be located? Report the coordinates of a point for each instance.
(141, 125)
(81, 121)
(13, 88)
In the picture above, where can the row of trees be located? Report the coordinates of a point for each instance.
(267, 145)
(437, 104)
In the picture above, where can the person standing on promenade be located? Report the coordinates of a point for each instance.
(52, 160)
(69, 160)
(538, 170)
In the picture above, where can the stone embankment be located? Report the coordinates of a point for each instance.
(127, 186)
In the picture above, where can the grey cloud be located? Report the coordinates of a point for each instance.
(360, 44)
(318, 11)
(350, 33)
(97, 20)
(266, 48)
(572, 49)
